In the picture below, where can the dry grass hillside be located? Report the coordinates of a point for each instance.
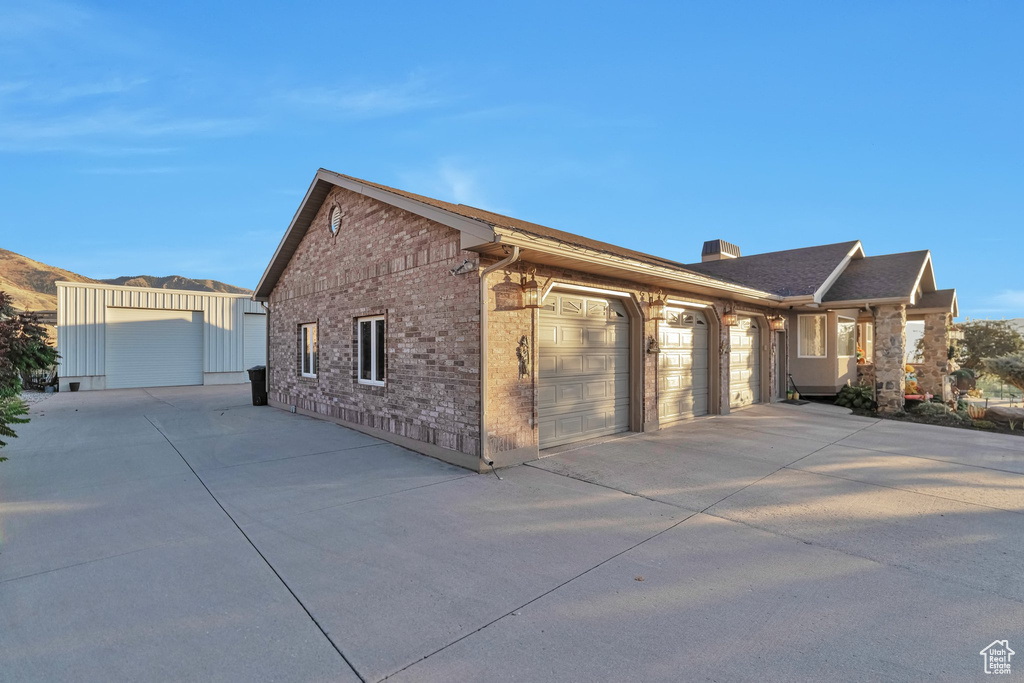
(31, 283)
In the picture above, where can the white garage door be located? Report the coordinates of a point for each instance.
(745, 363)
(682, 365)
(255, 341)
(151, 348)
(583, 369)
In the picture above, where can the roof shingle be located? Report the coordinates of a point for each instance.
(792, 272)
(878, 277)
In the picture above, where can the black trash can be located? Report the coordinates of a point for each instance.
(258, 380)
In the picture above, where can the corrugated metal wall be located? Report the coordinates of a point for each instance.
(81, 323)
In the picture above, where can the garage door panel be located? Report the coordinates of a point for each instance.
(745, 363)
(547, 334)
(683, 366)
(583, 369)
(153, 348)
(254, 341)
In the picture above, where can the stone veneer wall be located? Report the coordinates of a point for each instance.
(890, 345)
(866, 375)
(935, 365)
(383, 261)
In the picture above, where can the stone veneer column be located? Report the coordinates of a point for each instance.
(890, 345)
(935, 365)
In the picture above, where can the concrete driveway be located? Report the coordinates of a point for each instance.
(182, 534)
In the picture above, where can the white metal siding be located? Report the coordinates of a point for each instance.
(745, 363)
(255, 340)
(683, 366)
(82, 318)
(583, 369)
(153, 348)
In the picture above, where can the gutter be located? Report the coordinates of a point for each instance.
(511, 258)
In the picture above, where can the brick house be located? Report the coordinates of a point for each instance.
(475, 337)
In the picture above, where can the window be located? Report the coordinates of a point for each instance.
(308, 349)
(811, 336)
(846, 337)
(371, 350)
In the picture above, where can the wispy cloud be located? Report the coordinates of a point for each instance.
(414, 93)
(452, 180)
(1007, 303)
(40, 17)
(59, 93)
(73, 131)
(132, 170)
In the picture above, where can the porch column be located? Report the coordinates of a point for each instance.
(890, 346)
(935, 363)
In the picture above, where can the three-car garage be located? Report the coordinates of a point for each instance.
(584, 370)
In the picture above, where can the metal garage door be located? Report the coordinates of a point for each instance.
(153, 348)
(583, 369)
(745, 363)
(682, 365)
(255, 340)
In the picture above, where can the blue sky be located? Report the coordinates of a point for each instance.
(160, 138)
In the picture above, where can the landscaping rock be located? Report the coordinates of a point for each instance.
(1005, 414)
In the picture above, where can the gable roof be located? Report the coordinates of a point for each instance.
(810, 275)
(941, 300)
(890, 276)
(792, 272)
(484, 231)
(497, 219)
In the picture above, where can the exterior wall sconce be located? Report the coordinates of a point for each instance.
(729, 318)
(656, 307)
(531, 290)
(777, 323)
(956, 334)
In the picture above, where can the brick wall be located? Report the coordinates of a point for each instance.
(383, 261)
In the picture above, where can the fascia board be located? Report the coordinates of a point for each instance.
(834, 275)
(557, 248)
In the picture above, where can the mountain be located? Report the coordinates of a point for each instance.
(31, 283)
(176, 282)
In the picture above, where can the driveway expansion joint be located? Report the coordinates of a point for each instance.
(263, 557)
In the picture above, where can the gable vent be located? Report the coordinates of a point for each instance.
(335, 220)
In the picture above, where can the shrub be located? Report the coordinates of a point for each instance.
(858, 398)
(984, 424)
(11, 410)
(929, 409)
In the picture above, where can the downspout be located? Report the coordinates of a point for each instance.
(266, 376)
(511, 258)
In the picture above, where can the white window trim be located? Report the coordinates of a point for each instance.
(799, 344)
(839, 321)
(313, 358)
(373, 349)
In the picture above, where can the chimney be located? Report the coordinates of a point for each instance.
(718, 250)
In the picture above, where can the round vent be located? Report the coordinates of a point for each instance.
(335, 220)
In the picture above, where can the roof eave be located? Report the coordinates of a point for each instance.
(679, 276)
